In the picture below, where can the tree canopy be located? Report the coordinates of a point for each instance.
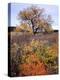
(36, 18)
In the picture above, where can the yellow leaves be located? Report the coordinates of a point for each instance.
(35, 43)
(26, 14)
(27, 48)
(49, 29)
(53, 50)
(22, 14)
(31, 58)
(18, 29)
(24, 27)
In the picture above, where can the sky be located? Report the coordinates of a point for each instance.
(15, 8)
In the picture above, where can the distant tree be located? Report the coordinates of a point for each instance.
(36, 17)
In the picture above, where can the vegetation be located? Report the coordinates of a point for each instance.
(33, 54)
(36, 19)
(34, 58)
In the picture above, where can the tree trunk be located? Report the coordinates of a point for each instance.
(32, 26)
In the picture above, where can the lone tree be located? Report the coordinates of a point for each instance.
(36, 18)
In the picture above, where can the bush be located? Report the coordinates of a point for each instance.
(34, 58)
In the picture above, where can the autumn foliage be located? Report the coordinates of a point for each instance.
(32, 52)
(36, 19)
(32, 66)
(34, 58)
(32, 69)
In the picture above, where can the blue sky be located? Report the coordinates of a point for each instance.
(16, 7)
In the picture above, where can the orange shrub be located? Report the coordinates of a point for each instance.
(34, 67)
